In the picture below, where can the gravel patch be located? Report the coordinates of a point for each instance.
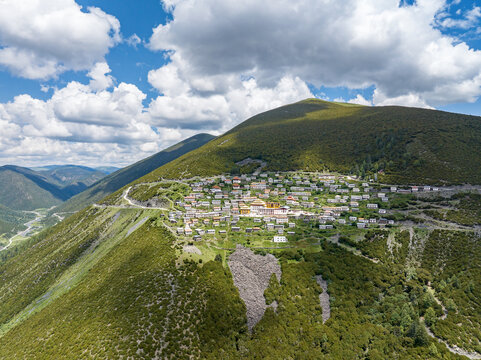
(251, 275)
(324, 299)
(136, 226)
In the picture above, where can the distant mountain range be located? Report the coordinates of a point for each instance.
(75, 168)
(27, 189)
(107, 169)
(23, 189)
(122, 177)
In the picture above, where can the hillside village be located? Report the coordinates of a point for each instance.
(240, 180)
(274, 205)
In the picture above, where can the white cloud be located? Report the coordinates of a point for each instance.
(100, 81)
(352, 43)
(77, 103)
(228, 60)
(470, 20)
(166, 79)
(82, 124)
(133, 40)
(412, 100)
(360, 100)
(41, 39)
(44, 88)
(208, 105)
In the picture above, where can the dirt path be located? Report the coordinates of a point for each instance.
(324, 299)
(61, 217)
(134, 204)
(257, 248)
(452, 348)
(131, 204)
(136, 226)
(445, 311)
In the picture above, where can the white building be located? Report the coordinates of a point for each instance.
(280, 239)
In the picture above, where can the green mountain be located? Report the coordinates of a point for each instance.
(116, 282)
(25, 189)
(119, 280)
(407, 145)
(122, 177)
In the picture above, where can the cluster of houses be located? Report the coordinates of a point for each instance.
(273, 203)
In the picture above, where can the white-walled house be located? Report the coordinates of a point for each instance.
(279, 239)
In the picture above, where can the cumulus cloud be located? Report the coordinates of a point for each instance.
(77, 103)
(470, 19)
(352, 43)
(227, 60)
(412, 100)
(99, 78)
(83, 124)
(41, 39)
(216, 103)
(360, 100)
(133, 40)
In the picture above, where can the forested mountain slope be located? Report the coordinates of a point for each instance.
(116, 280)
(91, 287)
(406, 145)
(149, 271)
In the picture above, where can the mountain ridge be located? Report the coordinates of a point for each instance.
(401, 144)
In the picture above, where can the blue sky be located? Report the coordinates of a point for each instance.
(129, 64)
(126, 79)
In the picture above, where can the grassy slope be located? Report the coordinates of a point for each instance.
(102, 294)
(454, 259)
(125, 288)
(122, 177)
(88, 288)
(411, 145)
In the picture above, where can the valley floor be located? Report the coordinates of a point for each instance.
(32, 227)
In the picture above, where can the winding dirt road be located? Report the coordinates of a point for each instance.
(25, 232)
(452, 348)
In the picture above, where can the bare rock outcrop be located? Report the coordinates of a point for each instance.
(251, 275)
(324, 299)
